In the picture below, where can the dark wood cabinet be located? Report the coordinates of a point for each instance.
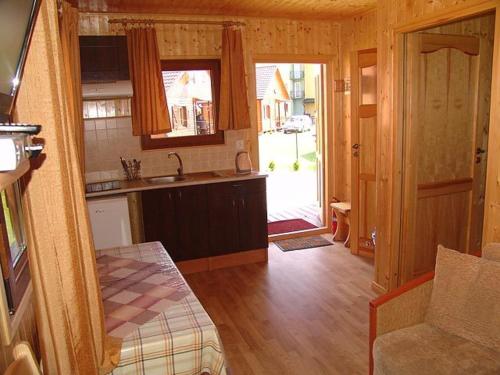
(223, 218)
(103, 58)
(252, 208)
(191, 222)
(159, 218)
(238, 216)
(207, 220)
(178, 218)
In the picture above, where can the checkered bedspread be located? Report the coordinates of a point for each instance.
(148, 303)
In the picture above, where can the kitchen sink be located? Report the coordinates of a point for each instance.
(164, 179)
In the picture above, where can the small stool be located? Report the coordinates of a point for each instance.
(342, 211)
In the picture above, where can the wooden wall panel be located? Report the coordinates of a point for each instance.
(405, 16)
(439, 220)
(356, 33)
(445, 152)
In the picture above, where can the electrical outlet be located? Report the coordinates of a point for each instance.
(240, 144)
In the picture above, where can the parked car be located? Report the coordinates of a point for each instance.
(297, 124)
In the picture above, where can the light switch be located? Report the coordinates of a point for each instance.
(240, 145)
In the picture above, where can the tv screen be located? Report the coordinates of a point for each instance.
(17, 18)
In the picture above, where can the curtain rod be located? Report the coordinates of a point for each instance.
(125, 21)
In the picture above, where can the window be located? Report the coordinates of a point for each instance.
(267, 111)
(13, 255)
(298, 90)
(192, 89)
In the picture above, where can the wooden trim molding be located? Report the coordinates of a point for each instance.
(434, 42)
(302, 233)
(444, 188)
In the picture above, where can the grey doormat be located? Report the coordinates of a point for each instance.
(300, 243)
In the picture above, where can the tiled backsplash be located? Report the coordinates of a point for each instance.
(108, 139)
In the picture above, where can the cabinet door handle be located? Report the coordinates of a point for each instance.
(180, 194)
(169, 196)
(243, 202)
(234, 203)
(236, 185)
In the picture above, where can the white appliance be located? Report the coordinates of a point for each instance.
(110, 222)
(102, 90)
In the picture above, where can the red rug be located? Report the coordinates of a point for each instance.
(285, 226)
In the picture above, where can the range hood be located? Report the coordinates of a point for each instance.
(107, 90)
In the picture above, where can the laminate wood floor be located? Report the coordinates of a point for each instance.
(305, 312)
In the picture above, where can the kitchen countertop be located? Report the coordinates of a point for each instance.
(200, 178)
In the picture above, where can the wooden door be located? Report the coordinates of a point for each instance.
(443, 183)
(223, 218)
(252, 215)
(363, 152)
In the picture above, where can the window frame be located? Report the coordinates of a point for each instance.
(217, 138)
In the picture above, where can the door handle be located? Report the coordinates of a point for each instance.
(355, 149)
(479, 152)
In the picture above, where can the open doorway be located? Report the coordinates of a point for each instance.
(447, 84)
(290, 124)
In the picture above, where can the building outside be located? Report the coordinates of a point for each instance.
(273, 99)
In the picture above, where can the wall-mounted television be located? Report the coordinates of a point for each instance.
(17, 19)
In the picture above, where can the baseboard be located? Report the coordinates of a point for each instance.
(192, 266)
(364, 252)
(222, 261)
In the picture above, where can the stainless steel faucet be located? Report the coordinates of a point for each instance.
(180, 170)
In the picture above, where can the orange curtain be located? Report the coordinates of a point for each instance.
(68, 31)
(66, 289)
(233, 108)
(149, 103)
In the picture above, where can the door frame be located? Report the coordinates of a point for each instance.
(399, 32)
(327, 130)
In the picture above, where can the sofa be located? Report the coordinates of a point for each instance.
(445, 322)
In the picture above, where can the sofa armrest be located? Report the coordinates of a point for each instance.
(400, 308)
(492, 251)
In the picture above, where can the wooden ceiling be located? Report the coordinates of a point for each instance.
(307, 9)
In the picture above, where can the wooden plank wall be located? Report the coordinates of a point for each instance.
(393, 15)
(356, 33)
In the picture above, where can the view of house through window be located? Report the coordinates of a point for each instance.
(190, 103)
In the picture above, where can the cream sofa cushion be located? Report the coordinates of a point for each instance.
(424, 349)
(465, 298)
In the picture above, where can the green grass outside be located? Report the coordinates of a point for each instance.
(281, 149)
